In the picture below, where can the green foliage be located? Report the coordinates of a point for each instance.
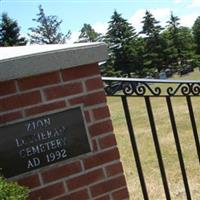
(154, 43)
(180, 40)
(10, 32)
(195, 62)
(121, 39)
(150, 25)
(88, 34)
(12, 191)
(196, 33)
(47, 30)
(156, 50)
(173, 23)
(129, 54)
(174, 39)
(108, 71)
(187, 42)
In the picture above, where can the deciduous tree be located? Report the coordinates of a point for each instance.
(88, 34)
(47, 30)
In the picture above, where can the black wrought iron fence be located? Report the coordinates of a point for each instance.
(151, 88)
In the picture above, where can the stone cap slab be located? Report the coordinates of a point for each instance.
(23, 61)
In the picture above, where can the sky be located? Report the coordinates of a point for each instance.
(75, 13)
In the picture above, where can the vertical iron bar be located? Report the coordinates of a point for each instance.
(134, 146)
(157, 147)
(178, 147)
(194, 127)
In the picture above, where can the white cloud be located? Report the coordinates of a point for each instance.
(161, 14)
(100, 27)
(195, 3)
(74, 37)
(188, 20)
(178, 1)
(136, 19)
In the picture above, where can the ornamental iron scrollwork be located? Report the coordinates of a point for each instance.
(140, 89)
(184, 89)
(148, 87)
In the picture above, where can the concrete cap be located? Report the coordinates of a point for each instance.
(23, 61)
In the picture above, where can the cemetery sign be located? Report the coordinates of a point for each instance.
(41, 141)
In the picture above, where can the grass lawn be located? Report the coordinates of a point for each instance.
(166, 139)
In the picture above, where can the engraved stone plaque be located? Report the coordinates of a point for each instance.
(41, 141)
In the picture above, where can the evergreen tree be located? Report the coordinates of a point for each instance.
(151, 26)
(88, 34)
(174, 38)
(187, 43)
(121, 39)
(173, 25)
(170, 56)
(181, 41)
(196, 33)
(48, 30)
(154, 43)
(108, 71)
(10, 32)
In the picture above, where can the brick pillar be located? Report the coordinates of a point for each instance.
(96, 175)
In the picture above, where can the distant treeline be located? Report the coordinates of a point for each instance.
(153, 50)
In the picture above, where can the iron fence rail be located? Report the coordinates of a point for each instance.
(148, 88)
(148, 80)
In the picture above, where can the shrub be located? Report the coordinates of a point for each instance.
(12, 191)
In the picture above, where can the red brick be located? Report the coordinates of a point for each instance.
(94, 145)
(100, 128)
(63, 90)
(108, 186)
(60, 172)
(100, 113)
(86, 179)
(94, 84)
(79, 195)
(107, 141)
(121, 194)
(101, 158)
(39, 80)
(7, 87)
(90, 99)
(47, 192)
(87, 116)
(45, 108)
(30, 182)
(80, 72)
(20, 100)
(10, 117)
(114, 169)
(103, 198)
